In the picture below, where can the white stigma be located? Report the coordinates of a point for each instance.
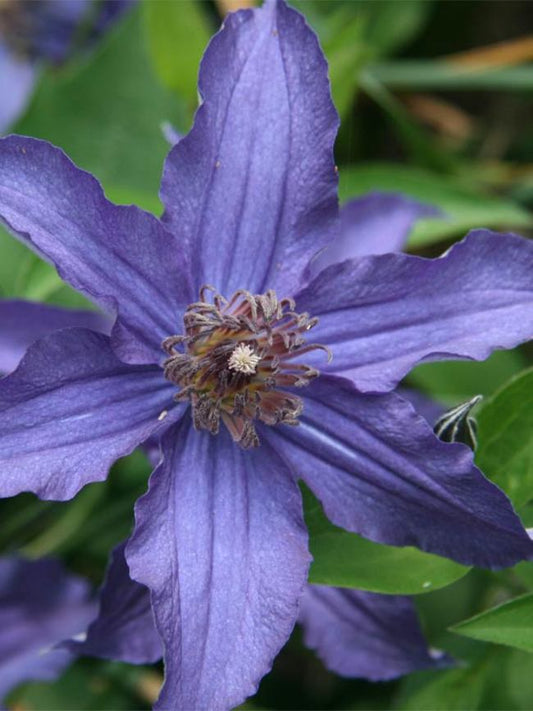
(243, 359)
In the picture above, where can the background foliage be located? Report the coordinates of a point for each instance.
(430, 106)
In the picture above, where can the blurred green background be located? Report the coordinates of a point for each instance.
(436, 101)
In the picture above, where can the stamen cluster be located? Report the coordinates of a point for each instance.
(234, 358)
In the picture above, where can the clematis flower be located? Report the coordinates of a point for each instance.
(40, 606)
(34, 32)
(49, 617)
(355, 633)
(250, 198)
(366, 635)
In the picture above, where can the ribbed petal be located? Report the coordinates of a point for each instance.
(124, 629)
(17, 78)
(254, 182)
(374, 224)
(23, 322)
(380, 471)
(430, 409)
(70, 410)
(363, 634)
(40, 605)
(119, 256)
(382, 315)
(220, 542)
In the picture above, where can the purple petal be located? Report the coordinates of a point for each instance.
(119, 256)
(374, 224)
(363, 634)
(40, 605)
(254, 182)
(380, 471)
(221, 543)
(17, 78)
(70, 410)
(23, 322)
(430, 409)
(382, 315)
(124, 629)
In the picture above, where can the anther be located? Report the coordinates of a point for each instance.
(234, 359)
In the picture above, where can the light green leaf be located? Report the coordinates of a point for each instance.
(464, 208)
(505, 450)
(510, 624)
(178, 33)
(346, 560)
(106, 113)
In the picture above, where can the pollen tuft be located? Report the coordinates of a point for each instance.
(237, 358)
(243, 359)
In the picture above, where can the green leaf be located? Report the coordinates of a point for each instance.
(453, 690)
(464, 207)
(510, 624)
(354, 33)
(392, 25)
(416, 75)
(524, 572)
(346, 560)
(106, 113)
(456, 381)
(505, 450)
(178, 33)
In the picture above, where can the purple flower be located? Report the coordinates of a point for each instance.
(36, 31)
(40, 606)
(355, 633)
(363, 634)
(48, 618)
(250, 198)
(124, 628)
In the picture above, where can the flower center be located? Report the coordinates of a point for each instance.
(235, 359)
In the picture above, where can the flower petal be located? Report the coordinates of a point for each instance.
(220, 542)
(23, 322)
(119, 256)
(254, 182)
(124, 629)
(69, 410)
(363, 634)
(430, 409)
(40, 605)
(374, 224)
(380, 471)
(17, 78)
(382, 315)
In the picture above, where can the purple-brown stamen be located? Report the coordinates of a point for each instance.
(235, 355)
